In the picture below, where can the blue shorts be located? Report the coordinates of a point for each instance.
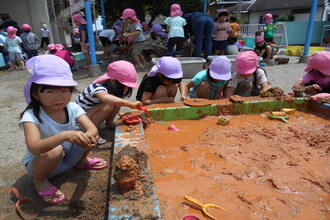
(192, 93)
(71, 157)
(220, 45)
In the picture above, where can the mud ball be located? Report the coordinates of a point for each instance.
(126, 172)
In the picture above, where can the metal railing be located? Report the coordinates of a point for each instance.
(249, 30)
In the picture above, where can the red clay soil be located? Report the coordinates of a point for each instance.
(254, 167)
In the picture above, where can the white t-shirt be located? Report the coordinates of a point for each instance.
(44, 32)
(49, 127)
(237, 78)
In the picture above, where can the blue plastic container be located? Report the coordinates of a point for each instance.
(249, 42)
(2, 61)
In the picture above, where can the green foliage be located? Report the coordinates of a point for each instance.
(289, 17)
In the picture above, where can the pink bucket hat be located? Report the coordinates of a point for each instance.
(246, 62)
(26, 27)
(169, 67)
(51, 47)
(47, 70)
(268, 18)
(76, 31)
(129, 13)
(11, 32)
(59, 47)
(258, 39)
(220, 68)
(176, 10)
(79, 17)
(222, 10)
(120, 70)
(319, 61)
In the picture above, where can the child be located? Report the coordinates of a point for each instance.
(262, 49)
(13, 45)
(44, 36)
(66, 55)
(221, 30)
(153, 41)
(82, 24)
(232, 38)
(135, 30)
(317, 78)
(30, 41)
(248, 79)
(53, 144)
(76, 40)
(107, 37)
(268, 28)
(51, 49)
(175, 25)
(210, 83)
(104, 97)
(160, 84)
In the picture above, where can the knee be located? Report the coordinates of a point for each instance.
(161, 91)
(172, 89)
(205, 85)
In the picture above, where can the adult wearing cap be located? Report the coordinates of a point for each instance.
(30, 41)
(262, 49)
(317, 78)
(161, 84)
(44, 36)
(249, 79)
(210, 83)
(200, 26)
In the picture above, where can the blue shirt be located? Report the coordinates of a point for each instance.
(49, 127)
(202, 76)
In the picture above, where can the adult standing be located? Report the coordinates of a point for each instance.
(44, 36)
(201, 26)
(7, 21)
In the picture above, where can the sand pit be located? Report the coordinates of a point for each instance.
(254, 167)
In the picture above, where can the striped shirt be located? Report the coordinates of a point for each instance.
(87, 98)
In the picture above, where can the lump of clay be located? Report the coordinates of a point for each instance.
(126, 172)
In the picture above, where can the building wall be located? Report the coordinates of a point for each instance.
(32, 12)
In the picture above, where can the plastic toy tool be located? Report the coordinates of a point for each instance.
(144, 110)
(25, 207)
(131, 119)
(279, 115)
(204, 206)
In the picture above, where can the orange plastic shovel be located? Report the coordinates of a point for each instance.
(25, 207)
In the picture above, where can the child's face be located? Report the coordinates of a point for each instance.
(223, 18)
(54, 99)
(77, 23)
(260, 44)
(129, 20)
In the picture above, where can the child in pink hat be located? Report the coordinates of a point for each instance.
(30, 41)
(135, 30)
(82, 24)
(317, 78)
(54, 146)
(161, 84)
(103, 98)
(249, 79)
(222, 29)
(210, 83)
(175, 24)
(262, 49)
(14, 45)
(75, 40)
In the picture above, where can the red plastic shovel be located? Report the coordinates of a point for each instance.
(145, 110)
(25, 207)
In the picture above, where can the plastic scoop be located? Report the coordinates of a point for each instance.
(190, 217)
(144, 110)
(280, 117)
(25, 207)
(172, 127)
(131, 119)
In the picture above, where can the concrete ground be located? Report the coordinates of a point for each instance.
(12, 103)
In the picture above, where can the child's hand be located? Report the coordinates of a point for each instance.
(137, 104)
(82, 139)
(312, 89)
(183, 98)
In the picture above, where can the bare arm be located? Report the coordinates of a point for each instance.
(229, 92)
(309, 90)
(264, 86)
(113, 100)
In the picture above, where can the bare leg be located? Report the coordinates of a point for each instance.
(137, 60)
(203, 90)
(143, 60)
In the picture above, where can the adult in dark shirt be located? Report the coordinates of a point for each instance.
(201, 26)
(6, 22)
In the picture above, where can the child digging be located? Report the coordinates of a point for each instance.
(49, 120)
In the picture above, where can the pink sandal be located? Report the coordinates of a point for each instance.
(52, 196)
(93, 164)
